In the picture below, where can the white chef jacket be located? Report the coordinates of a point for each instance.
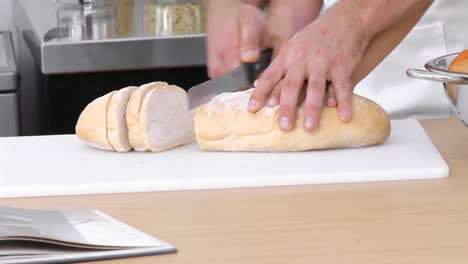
(440, 31)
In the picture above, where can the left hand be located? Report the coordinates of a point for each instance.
(329, 48)
(235, 29)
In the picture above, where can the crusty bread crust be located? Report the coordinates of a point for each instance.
(224, 124)
(92, 123)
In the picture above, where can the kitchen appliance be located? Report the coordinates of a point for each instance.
(9, 117)
(63, 165)
(455, 83)
(71, 52)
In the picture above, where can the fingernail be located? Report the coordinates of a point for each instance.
(308, 122)
(272, 102)
(249, 55)
(331, 101)
(256, 83)
(252, 105)
(345, 114)
(284, 122)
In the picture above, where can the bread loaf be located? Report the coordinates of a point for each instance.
(92, 123)
(152, 117)
(224, 124)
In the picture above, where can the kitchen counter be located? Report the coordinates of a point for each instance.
(423, 221)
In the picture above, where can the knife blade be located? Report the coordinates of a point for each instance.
(237, 79)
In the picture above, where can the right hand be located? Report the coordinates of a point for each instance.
(235, 31)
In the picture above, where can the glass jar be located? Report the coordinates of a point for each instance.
(173, 17)
(124, 17)
(70, 21)
(85, 20)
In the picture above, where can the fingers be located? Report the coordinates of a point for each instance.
(214, 64)
(292, 87)
(251, 33)
(275, 95)
(234, 35)
(265, 84)
(314, 99)
(222, 57)
(343, 92)
(214, 54)
(331, 99)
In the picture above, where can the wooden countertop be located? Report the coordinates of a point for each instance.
(423, 221)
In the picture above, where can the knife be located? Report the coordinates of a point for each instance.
(238, 79)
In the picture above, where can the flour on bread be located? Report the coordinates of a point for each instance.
(234, 101)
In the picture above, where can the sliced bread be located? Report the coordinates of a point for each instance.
(165, 120)
(117, 132)
(133, 111)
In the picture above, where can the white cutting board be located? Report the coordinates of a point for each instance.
(62, 165)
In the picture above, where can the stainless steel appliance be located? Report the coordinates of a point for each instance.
(9, 117)
(71, 52)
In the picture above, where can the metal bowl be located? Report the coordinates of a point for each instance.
(441, 65)
(437, 70)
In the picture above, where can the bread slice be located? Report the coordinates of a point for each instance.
(165, 120)
(117, 132)
(92, 123)
(133, 111)
(224, 124)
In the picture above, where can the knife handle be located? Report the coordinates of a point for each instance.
(256, 68)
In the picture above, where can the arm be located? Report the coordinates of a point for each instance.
(384, 42)
(286, 18)
(341, 46)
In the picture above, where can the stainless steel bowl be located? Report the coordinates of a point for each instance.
(437, 70)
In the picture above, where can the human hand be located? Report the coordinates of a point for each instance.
(235, 31)
(327, 49)
(286, 18)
